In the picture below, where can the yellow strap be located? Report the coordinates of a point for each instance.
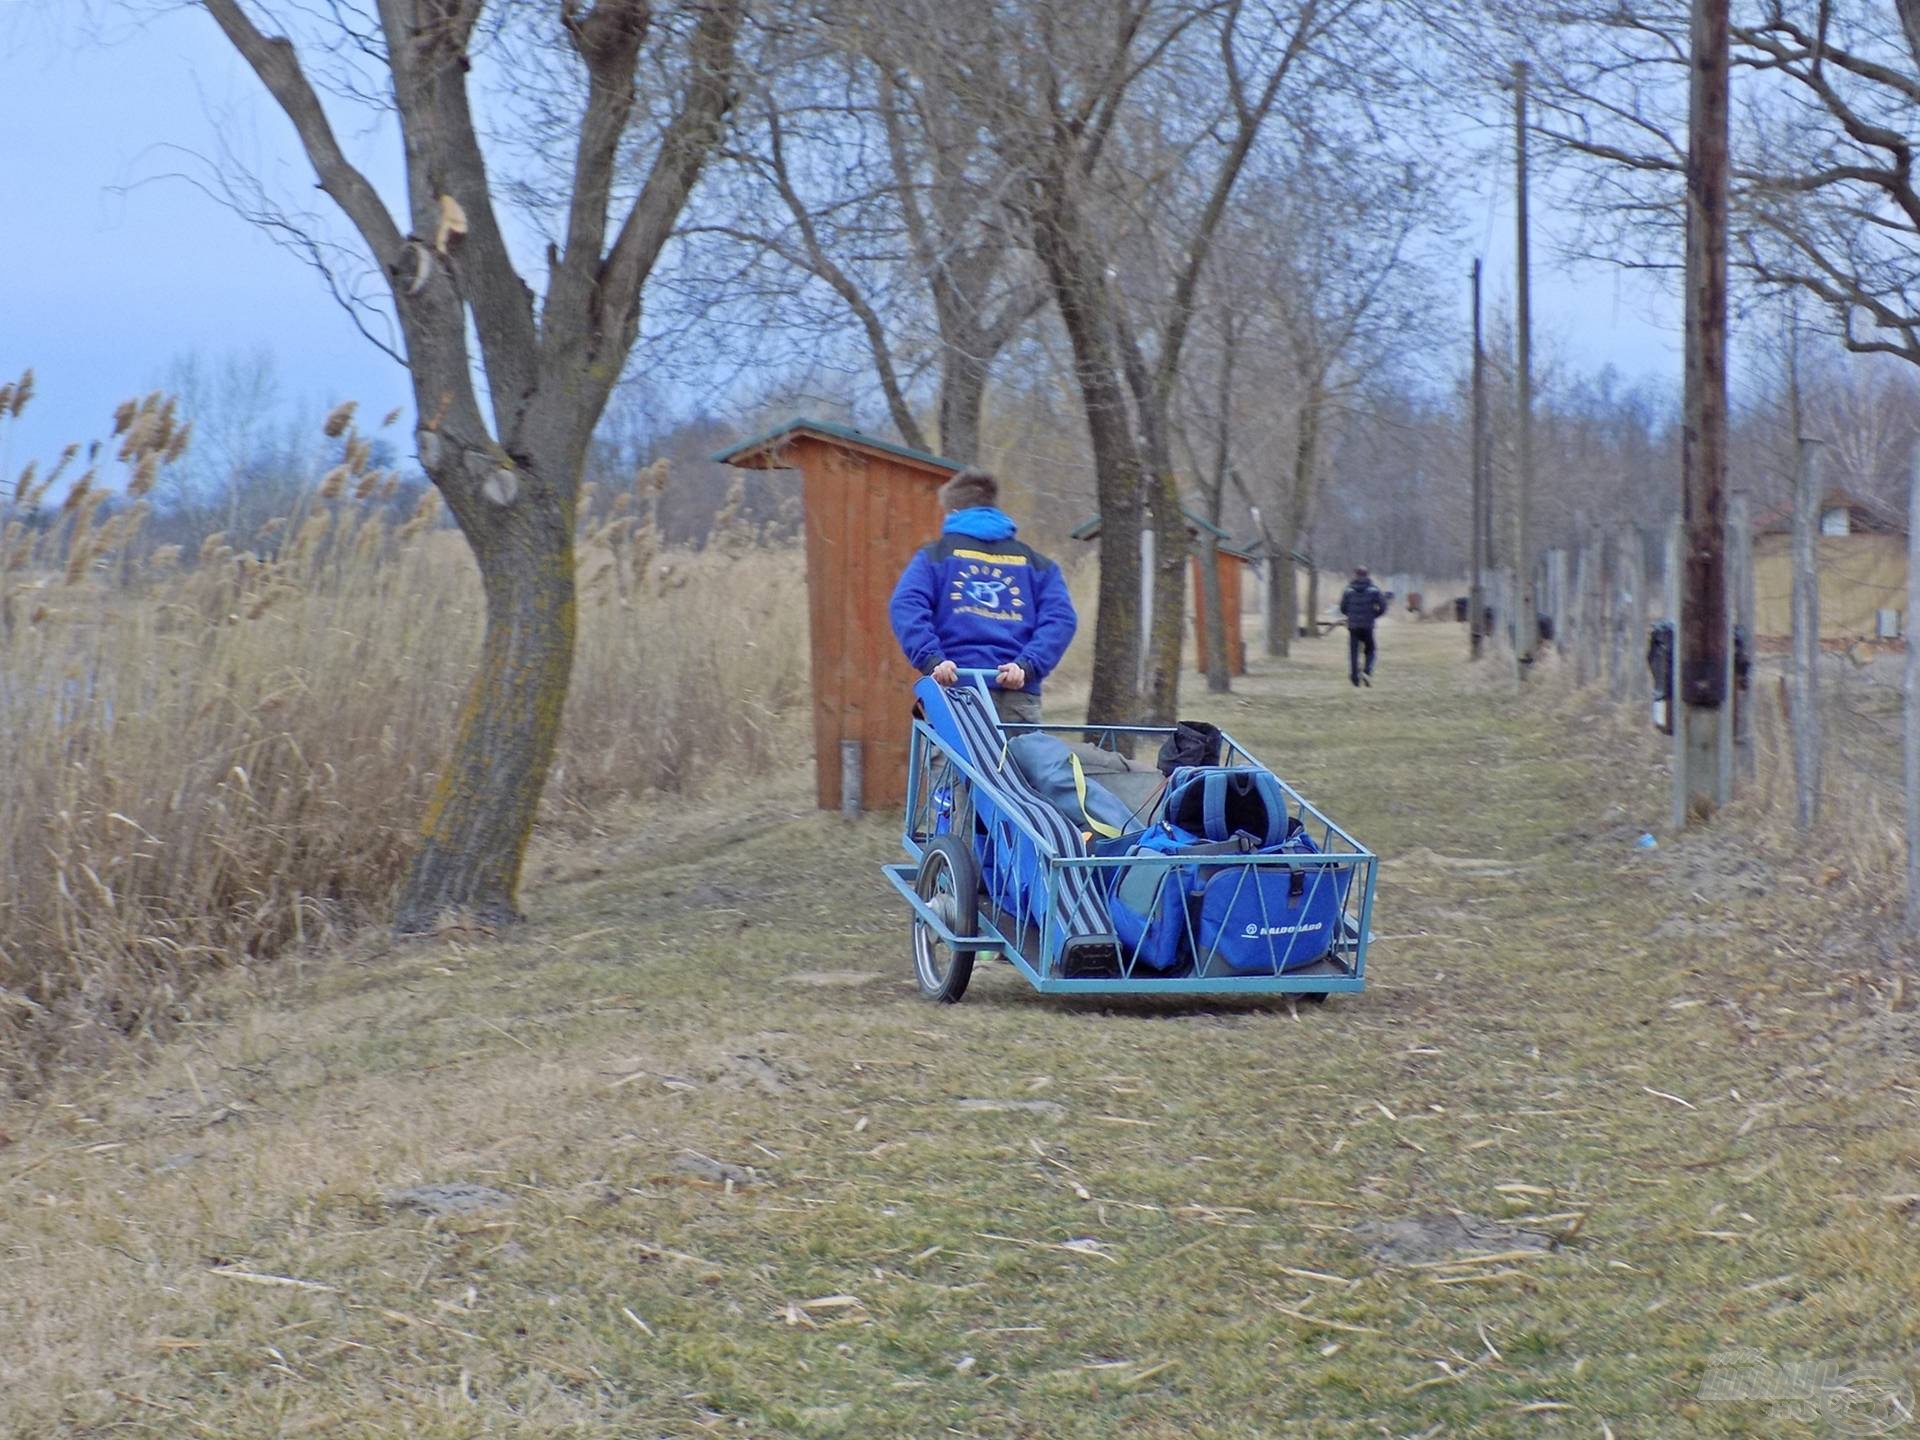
(1080, 789)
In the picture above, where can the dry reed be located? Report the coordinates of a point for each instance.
(207, 762)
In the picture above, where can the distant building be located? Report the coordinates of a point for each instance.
(1862, 554)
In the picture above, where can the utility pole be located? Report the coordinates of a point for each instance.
(1476, 582)
(1526, 632)
(1910, 729)
(1703, 442)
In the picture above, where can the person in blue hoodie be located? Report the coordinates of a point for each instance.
(978, 599)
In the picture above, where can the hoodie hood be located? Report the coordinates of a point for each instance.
(980, 522)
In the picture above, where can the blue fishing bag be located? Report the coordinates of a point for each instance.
(1148, 903)
(1266, 921)
(1242, 918)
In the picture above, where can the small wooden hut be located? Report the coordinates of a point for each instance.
(1233, 561)
(1861, 553)
(868, 505)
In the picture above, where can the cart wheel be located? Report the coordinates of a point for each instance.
(1311, 997)
(949, 881)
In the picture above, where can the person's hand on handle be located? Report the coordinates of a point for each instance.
(1011, 677)
(946, 673)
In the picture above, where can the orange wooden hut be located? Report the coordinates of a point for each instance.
(868, 505)
(1233, 563)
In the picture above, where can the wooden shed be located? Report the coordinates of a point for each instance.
(868, 505)
(1861, 553)
(1233, 562)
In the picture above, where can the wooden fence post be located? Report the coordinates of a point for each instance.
(1676, 550)
(1577, 618)
(1631, 636)
(1740, 563)
(1803, 671)
(1617, 593)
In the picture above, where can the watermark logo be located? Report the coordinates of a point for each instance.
(1866, 1399)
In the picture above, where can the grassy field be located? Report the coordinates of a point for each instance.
(1614, 1138)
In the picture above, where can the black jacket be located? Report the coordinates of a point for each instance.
(1362, 604)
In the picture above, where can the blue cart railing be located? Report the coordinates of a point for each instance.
(992, 870)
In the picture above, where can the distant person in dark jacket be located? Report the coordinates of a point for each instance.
(1362, 604)
(978, 599)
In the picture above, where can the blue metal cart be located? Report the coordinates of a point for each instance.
(994, 869)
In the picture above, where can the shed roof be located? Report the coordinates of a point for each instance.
(1089, 529)
(763, 451)
(1867, 517)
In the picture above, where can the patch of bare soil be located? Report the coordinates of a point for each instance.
(454, 1198)
(1427, 1239)
(834, 979)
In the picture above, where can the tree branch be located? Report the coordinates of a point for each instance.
(1200, 245)
(274, 61)
(819, 263)
(683, 150)
(608, 41)
(427, 45)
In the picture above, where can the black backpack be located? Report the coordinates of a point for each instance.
(1193, 742)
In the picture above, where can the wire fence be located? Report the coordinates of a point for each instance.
(1599, 608)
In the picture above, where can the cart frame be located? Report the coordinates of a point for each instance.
(944, 791)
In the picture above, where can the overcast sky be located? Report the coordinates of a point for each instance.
(111, 271)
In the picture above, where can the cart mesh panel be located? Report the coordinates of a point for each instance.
(1083, 904)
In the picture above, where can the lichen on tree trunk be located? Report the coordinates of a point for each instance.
(1162, 692)
(473, 839)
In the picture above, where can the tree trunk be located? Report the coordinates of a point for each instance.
(963, 393)
(1213, 615)
(1313, 599)
(1075, 278)
(1165, 643)
(1280, 583)
(1299, 506)
(474, 838)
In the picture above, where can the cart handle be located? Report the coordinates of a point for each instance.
(984, 678)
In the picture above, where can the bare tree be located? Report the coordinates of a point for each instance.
(862, 174)
(511, 477)
(1210, 461)
(1126, 127)
(1345, 301)
(1823, 195)
(232, 403)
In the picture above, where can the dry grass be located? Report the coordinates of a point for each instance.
(210, 758)
(1856, 851)
(1639, 1053)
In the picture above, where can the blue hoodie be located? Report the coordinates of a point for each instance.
(981, 598)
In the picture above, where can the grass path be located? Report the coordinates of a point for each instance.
(750, 1185)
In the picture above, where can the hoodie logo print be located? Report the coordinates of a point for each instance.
(987, 591)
